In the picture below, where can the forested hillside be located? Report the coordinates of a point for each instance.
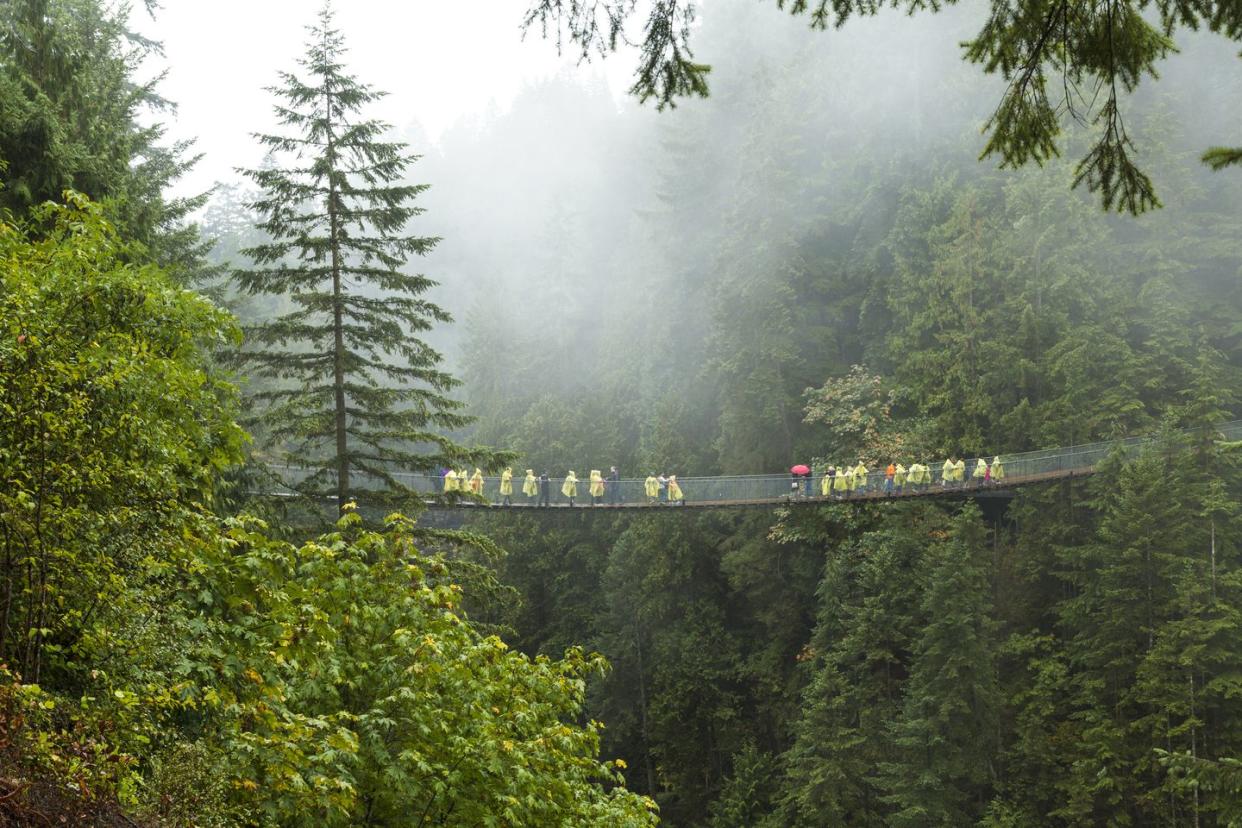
(809, 265)
(697, 273)
(166, 657)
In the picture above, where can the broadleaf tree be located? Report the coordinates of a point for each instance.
(348, 387)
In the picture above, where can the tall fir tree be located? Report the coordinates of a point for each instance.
(76, 112)
(945, 736)
(352, 389)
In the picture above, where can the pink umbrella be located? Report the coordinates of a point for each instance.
(800, 469)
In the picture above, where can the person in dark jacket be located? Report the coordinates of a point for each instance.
(614, 486)
(545, 490)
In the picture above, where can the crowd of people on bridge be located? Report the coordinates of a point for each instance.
(661, 489)
(845, 481)
(836, 482)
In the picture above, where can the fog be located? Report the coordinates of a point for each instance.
(601, 256)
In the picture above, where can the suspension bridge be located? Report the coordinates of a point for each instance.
(769, 490)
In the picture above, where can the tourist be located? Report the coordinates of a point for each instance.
(506, 487)
(596, 487)
(674, 491)
(545, 490)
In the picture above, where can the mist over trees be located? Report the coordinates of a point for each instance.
(663, 291)
(1062, 61)
(809, 265)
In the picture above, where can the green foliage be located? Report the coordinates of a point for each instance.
(838, 225)
(945, 737)
(1220, 157)
(75, 114)
(185, 670)
(857, 411)
(346, 688)
(880, 621)
(745, 799)
(667, 69)
(113, 429)
(1155, 628)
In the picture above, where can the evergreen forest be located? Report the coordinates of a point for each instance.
(222, 603)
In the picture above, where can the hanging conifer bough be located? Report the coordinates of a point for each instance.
(351, 391)
(1061, 60)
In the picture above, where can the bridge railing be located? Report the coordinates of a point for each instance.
(1015, 468)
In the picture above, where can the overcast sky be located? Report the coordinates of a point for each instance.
(439, 60)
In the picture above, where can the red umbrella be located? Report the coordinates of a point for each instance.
(800, 469)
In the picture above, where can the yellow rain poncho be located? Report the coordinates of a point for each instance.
(899, 476)
(981, 469)
(959, 471)
(946, 474)
(860, 477)
(597, 483)
(844, 481)
(450, 481)
(998, 471)
(825, 485)
(674, 490)
(530, 486)
(651, 486)
(570, 487)
(506, 482)
(476, 482)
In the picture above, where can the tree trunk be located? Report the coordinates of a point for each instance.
(642, 708)
(338, 335)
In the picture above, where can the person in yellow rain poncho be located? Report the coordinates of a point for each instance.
(998, 471)
(674, 491)
(959, 473)
(980, 473)
(506, 487)
(597, 487)
(825, 482)
(451, 483)
(860, 477)
(844, 484)
(530, 486)
(476, 482)
(899, 477)
(570, 487)
(651, 486)
(946, 474)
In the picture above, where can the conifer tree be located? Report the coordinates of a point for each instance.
(945, 736)
(354, 391)
(76, 114)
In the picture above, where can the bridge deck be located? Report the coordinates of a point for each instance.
(766, 490)
(1003, 489)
